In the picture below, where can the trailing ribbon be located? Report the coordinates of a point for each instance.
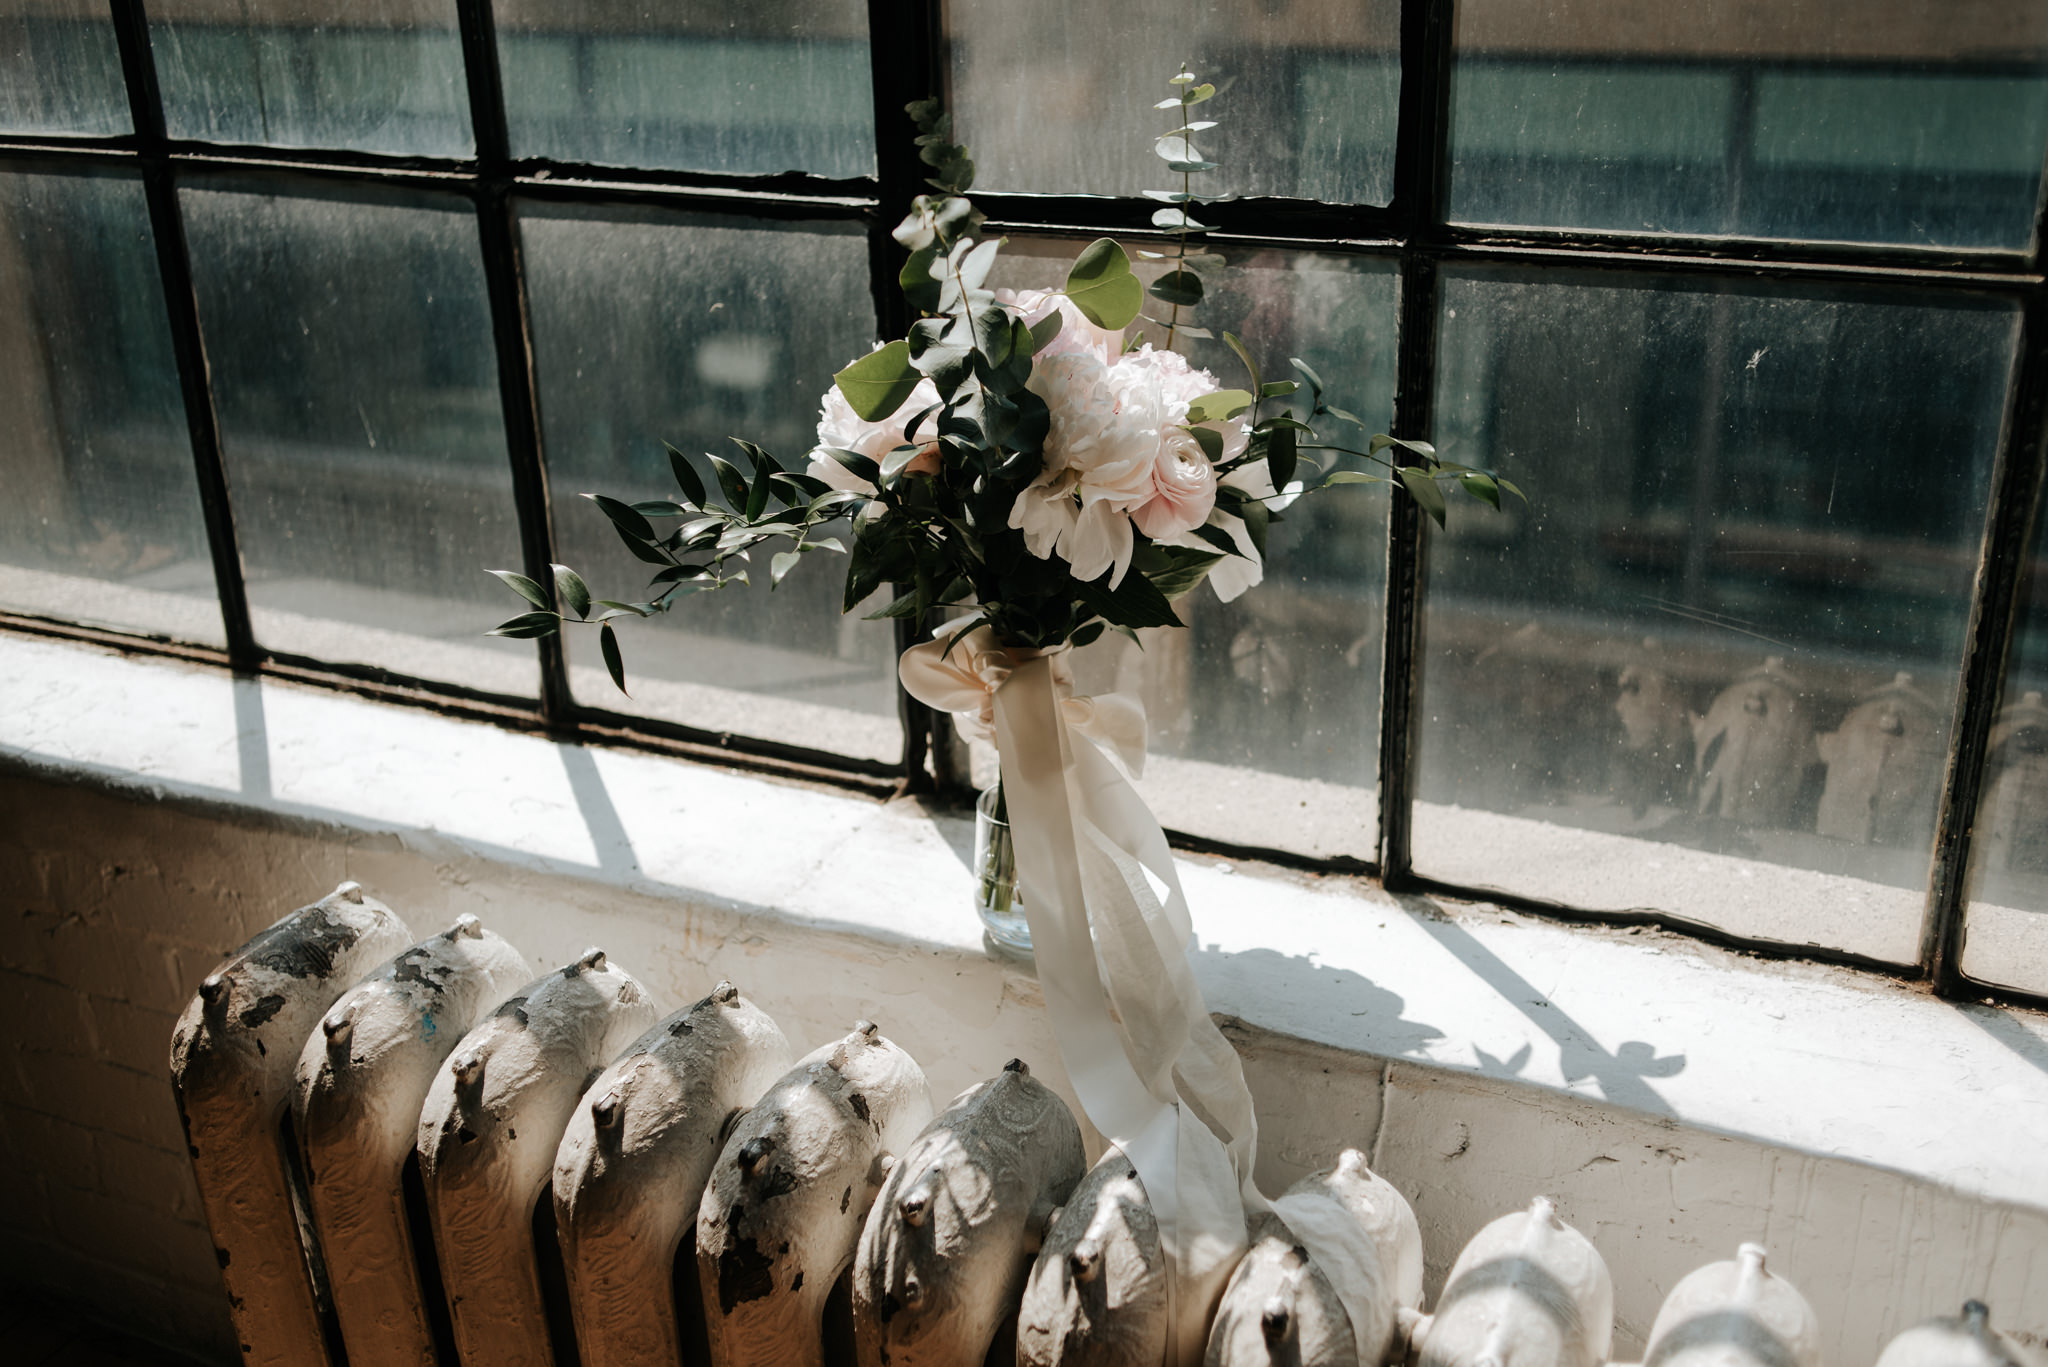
(1110, 931)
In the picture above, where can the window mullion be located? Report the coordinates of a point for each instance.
(511, 329)
(174, 269)
(1421, 172)
(904, 53)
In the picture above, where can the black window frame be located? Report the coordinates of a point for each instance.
(907, 51)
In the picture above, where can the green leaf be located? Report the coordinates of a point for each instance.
(525, 588)
(528, 625)
(1481, 487)
(1092, 632)
(782, 564)
(1045, 329)
(1353, 477)
(1277, 389)
(1315, 381)
(1221, 405)
(686, 476)
(993, 335)
(574, 591)
(1136, 602)
(608, 641)
(920, 286)
(1185, 571)
(1280, 455)
(1198, 94)
(730, 480)
(1230, 339)
(1178, 220)
(906, 606)
(1102, 286)
(1182, 287)
(1423, 490)
(1510, 487)
(877, 384)
(624, 517)
(1210, 440)
(1256, 518)
(1217, 537)
(896, 459)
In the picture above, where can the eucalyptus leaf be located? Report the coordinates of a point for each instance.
(1177, 219)
(1353, 477)
(1102, 286)
(877, 384)
(526, 588)
(1182, 288)
(920, 286)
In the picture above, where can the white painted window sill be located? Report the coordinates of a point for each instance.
(1822, 1060)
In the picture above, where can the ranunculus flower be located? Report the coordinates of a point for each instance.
(1183, 492)
(839, 426)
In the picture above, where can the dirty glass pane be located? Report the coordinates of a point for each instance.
(658, 327)
(60, 71)
(100, 521)
(295, 73)
(1264, 712)
(701, 85)
(1058, 97)
(1805, 119)
(350, 346)
(1710, 666)
(2006, 935)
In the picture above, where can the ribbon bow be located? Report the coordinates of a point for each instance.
(959, 672)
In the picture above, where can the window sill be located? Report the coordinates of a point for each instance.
(1825, 1061)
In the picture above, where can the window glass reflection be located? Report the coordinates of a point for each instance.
(1711, 666)
(652, 328)
(60, 70)
(2006, 939)
(295, 73)
(101, 520)
(701, 85)
(1264, 712)
(1912, 121)
(1057, 98)
(350, 349)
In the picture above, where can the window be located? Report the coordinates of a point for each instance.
(310, 316)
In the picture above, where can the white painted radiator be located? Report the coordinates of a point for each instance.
(412, 1155)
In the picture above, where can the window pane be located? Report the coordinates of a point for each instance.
(287, 74)
(60, 71)
(350, 347)
(653, 327)
(1710, 667)
(1058, 97)
(2007, 930)
(1264, 713)
(101, 520)
(744, 89)
(1805, 119)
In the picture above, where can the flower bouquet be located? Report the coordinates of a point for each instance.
(1028, 475)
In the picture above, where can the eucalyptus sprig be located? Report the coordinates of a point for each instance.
(1181, 287)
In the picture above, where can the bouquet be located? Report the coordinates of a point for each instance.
(1023, 465)
(1017, 460)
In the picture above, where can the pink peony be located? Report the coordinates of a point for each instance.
(839, 426)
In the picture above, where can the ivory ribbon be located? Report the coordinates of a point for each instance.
(1110, 931)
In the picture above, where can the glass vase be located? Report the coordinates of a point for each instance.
(995, 875)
